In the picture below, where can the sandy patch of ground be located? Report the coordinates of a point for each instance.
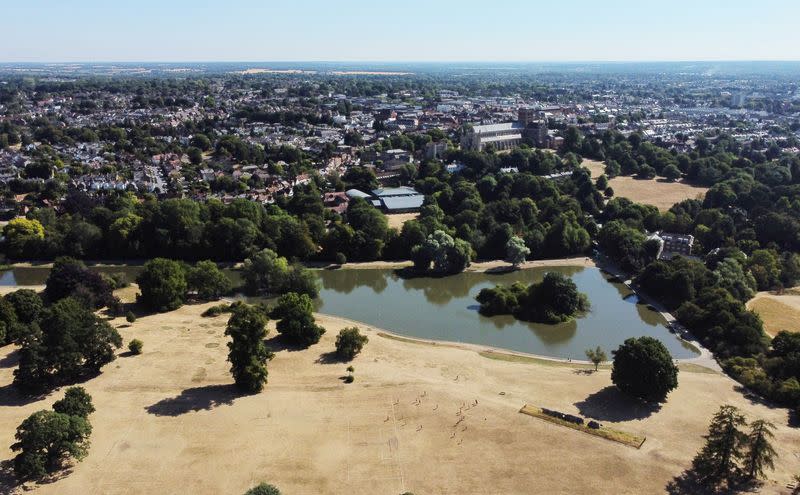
(778, 312)
(476, 266)
(168, 421)
(396, 220)
(657, 192)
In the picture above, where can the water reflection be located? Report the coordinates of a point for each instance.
(445, 308)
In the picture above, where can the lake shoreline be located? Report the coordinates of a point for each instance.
(475, 266)
(479, 348)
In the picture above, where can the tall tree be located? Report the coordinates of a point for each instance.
(248, 355)
(162, 284)
(760, 455)
(724, 448)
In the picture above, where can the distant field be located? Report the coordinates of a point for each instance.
(396, 220)
(778, 312)
(660, 194)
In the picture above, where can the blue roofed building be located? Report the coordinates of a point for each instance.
(399, 199)
(392, 199)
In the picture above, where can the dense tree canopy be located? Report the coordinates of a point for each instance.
(643, 368)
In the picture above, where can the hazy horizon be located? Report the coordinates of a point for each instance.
(414, 31)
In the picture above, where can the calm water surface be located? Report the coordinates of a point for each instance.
(445, 308)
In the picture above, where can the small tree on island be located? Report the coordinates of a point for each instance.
(248, 354)
(643, 368)
(596, 356)
(349, 342)
(516, 251)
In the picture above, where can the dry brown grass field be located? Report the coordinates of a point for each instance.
(778, 312)
(396, 220)
(168, 421)
(657, 192)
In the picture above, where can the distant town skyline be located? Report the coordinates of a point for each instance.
(414, 30)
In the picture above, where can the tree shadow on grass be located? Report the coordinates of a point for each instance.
(609, 404)
(11, 397)
(11, 360)
(279, 343)
(196, 399)
(329, 358)
(11, 484)
(687, 483)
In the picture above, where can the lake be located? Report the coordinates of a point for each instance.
(445, 308)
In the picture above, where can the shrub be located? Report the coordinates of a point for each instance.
(217, 310)
(135, 346)
(340, 258)
(130, 317)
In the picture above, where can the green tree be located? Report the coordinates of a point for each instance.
(27, 305)
(596, 356)
(671, 172)
(248, 354)
(447, 254)
(263, 489)
(643, 368)
(732, 276)
(162, 284)
(71, 278)
(296, 319)
(21, 236)
(265, 272)
(46, 439)
(516, 251)
(76, 402)
(760, 454)
(349, 342)
(725, 443)
(69, 341)
(208, 281)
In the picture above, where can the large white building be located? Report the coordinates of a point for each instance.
(508, 135)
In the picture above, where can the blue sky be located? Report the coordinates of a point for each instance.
(399, 30)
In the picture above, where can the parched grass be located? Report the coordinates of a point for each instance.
(517, 358)
(622, 437)
(412, 341)
(695, 368)
(775, 314)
